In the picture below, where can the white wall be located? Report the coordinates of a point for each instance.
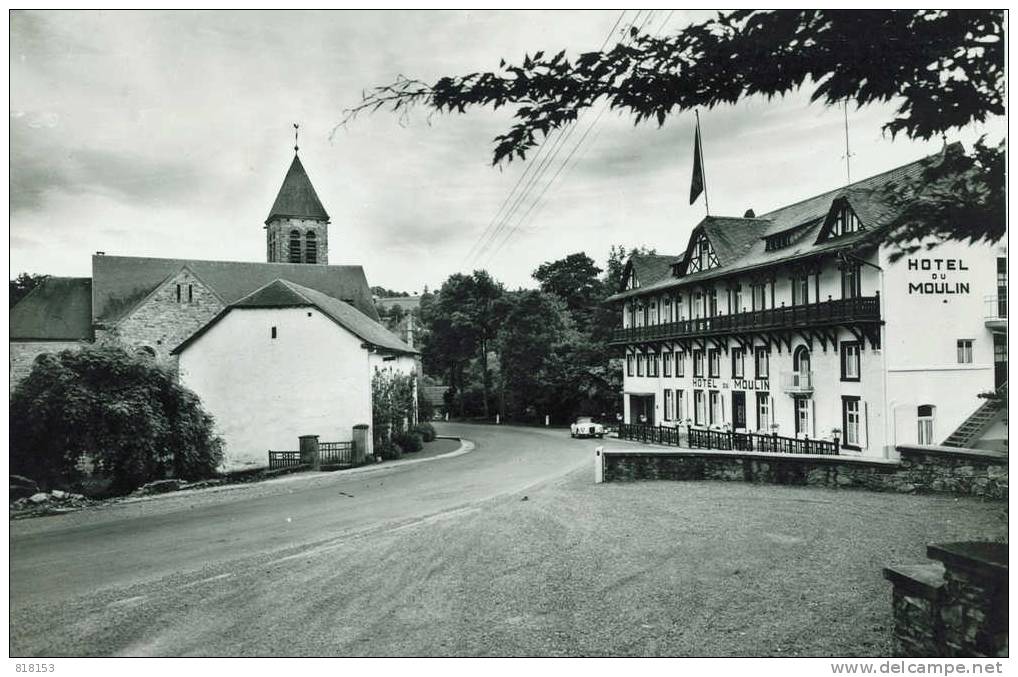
(922, 330)
(313, 379)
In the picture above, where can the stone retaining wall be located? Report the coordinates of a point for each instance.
(954, 607)
(919, 469)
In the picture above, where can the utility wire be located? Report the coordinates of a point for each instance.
(534, 161)
(569, 157)
(548, 160)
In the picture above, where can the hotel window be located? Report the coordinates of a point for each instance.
(680, 313)
(762, 362)
(668, 404)
(736, 299)
(1001, 286)
(714, 363)
(699, 407)
(653, 313)
(668, 310)
(680, 363)
(850, 281)
(666, 364)
(802, 416)
(639, 364)
(630, 359)
(925, 419)
(646, 314)
(964, 351)
(800, 290)
(652, 364)
(697, 364)
(763, 412)
(680, 407)
(759, 292)
(738, 363)
(851, 420)
(850, 361)
(697, 303)
(717, 416)
(712, 303)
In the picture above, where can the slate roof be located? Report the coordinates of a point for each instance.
(740, 242)
(281, 293)
(297, 197)
(119, 283)
(651, 268)
(59, 308)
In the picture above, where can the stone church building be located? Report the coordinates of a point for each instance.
(174, 308)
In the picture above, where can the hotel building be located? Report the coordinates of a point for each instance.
(798, 323)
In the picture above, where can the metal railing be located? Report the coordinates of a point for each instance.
(284, 459)
(860, 309)
(726, 440)
(797, 381)
(335, 453)
(995, 307)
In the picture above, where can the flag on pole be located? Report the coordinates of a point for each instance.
(696, 185)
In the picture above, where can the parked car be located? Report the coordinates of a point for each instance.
(585, 426)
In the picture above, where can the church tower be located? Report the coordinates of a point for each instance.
(297, 230)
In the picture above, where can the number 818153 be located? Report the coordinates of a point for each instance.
(34, 667)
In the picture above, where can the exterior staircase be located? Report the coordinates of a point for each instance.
(969, 431)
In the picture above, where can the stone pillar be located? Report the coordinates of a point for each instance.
(309, 451)
(360, 443)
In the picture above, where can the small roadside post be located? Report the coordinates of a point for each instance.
(599, 465)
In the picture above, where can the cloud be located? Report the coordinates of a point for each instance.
(43, 164)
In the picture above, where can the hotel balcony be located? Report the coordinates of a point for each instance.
(995, 312)
(861, 310)
(797, 382)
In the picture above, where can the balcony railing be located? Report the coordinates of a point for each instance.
(797, 381)
(995, 307)
(727, 440)
(861, 309)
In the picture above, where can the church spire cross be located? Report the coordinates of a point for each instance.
(296, 131)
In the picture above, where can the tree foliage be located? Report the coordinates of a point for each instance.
(125, 414)
(22, 284)
(392, 405)
(943, 69)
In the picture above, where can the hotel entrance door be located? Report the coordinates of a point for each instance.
(641, 409)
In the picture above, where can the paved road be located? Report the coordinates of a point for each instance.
(137, 578)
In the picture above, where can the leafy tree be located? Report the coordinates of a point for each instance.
(22, 284)
(127, 415)
(536, 329)
(573, 279)
(382, 292)
(943, 68)
(392, 406)
(462, 322)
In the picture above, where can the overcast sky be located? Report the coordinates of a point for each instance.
(168, 134)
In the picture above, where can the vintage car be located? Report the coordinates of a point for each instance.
(586, 427)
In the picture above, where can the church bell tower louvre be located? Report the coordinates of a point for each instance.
(297, 229)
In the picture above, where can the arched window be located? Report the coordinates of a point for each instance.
(310, 248)
(925, 415)
(294, 246)
(801, 376)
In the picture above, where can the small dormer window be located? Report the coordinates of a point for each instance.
(844, 222)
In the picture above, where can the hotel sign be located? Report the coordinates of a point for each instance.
(734, 384)
(939, 280)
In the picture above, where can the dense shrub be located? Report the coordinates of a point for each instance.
(387, 450)
(392, 403)
(125, 414)
(425, 409)
(409, 443)
(426, 431)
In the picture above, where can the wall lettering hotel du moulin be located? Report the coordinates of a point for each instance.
(940, 273)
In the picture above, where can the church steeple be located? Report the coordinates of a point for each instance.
(297, 229)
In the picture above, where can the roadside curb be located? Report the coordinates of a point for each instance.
(465, 447)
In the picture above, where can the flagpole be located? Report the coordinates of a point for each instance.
(703, 165)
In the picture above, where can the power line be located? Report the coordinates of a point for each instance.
(534, 161)
(542, 169)
(571, 154)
